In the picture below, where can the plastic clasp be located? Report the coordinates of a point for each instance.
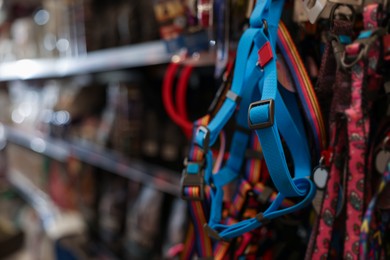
(271, 114)
(203, 141)
(192, 176)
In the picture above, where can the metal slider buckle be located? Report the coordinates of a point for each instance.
(193, 179)
(271, 114)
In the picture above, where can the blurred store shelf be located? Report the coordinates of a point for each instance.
(137, 55)
(157, 177)
(55, 222)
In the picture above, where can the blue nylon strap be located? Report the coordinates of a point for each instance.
(269, 136)
(240, 142)
(228, 106)
(259, 13)
(208, 174)
(243, 50)
(290, 99)
(241, 139)
(231, 231)
(287, 117)
(273, 149)
(219, 121)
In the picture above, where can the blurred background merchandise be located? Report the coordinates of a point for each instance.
(89, 161)
(71, 28)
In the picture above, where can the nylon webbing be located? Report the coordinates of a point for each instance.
(306, 91)
(376, 218)
(322, 232)
(198, 208)
(358, 130)
(256, 69)
(304, 185)
(349, 120)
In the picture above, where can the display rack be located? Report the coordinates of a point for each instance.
(157, 177)
(55, 222)
(137, 55)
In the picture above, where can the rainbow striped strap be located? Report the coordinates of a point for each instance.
(193, 191)
(304, 87)
(359, 123)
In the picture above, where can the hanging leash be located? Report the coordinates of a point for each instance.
(193, 191)
(333, 87)
(350, 124)
(177, 108)
(362, 58)
(177, 112)
(376, 220)
(192, 184)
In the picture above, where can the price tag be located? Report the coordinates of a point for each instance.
(381, 160)
(320, 177)
(314, 10)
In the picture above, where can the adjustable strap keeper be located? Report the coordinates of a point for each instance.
(214, 234)
(233, 96)
(192, 177)
(202, 137)
(260, 217)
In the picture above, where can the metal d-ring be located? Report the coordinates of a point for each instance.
(353, 62)
(365, 47)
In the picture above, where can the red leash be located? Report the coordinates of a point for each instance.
(177, 113)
